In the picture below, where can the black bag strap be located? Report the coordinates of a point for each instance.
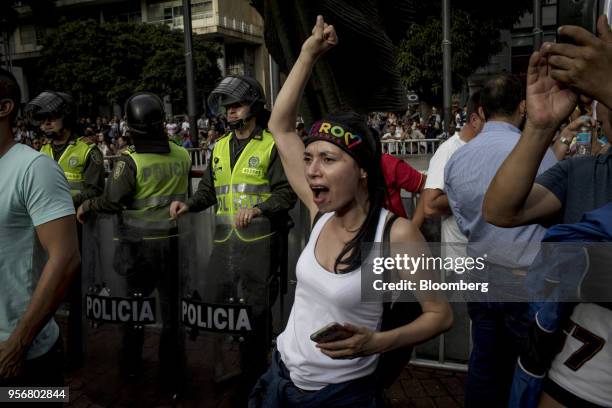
(317, 217)
(386, 251)
(387, 234)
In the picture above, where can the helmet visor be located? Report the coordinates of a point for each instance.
(46, 106)
(230, 90)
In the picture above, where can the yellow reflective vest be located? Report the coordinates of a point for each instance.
(160, 179)
(244, 186)
(72, 161)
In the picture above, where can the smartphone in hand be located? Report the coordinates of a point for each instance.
(331, 332)
(582, 13)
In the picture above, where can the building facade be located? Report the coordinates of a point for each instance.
(234, 24)
(518, 47)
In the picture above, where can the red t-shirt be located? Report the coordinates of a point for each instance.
(399, 175)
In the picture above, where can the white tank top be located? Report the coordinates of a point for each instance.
(322, 297)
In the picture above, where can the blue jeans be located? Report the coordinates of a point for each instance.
(498, 332)
(276, 390)
(500, 322)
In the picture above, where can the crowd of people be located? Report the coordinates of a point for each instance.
(505, 181)
(112, 137)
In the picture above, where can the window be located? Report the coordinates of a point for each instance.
(168, 10)
(164, 10)
(201, 7)
(28, 35)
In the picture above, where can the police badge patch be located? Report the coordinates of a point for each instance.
(118, 170)
(253, 161)
(96, 157)
(73, 161)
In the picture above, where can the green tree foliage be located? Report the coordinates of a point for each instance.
(102, 63)
(475, 38)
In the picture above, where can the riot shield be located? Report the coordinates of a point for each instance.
(129, 287)
(227, 284)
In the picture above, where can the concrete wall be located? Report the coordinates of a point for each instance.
(238, 9)
(242, 11)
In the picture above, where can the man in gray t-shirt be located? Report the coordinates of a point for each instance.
(35, 203)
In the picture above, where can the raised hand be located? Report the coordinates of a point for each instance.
(549, 102)
(322, 39)
(585, 66)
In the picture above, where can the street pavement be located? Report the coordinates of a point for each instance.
(99, 384)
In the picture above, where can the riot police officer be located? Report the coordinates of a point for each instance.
(80, 159)
(245, 180)
(83, 167)
(144, 181)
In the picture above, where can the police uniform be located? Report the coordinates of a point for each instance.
(82, 163)
(236, 164)
(245, 174)
(83, 167)
(141, 188)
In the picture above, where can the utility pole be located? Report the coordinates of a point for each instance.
(189, 73)
(446, 64)
(537, 24)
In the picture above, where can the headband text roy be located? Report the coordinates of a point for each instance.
(327, 129)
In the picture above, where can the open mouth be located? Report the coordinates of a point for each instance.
(319, 193)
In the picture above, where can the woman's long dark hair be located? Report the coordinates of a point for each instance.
(376, 192)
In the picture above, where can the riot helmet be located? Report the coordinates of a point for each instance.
(144, 114)
(51, 105)
(239, 89)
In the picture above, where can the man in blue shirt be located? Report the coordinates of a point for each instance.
(35, 203)
(496, 329)
(569, 190)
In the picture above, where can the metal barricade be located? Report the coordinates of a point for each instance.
(411, 147)
(450, 350)
(198, 157)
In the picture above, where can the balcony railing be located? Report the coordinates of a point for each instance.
(205, 20)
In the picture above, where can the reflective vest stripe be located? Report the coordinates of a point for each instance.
(160, 175)
(242, 238)
(160, 179)
(148, 224)
(222, 190)
(244, 188)
(157, 201)
(72, 161)
(248, 178)
(73, 176)
(251, 188)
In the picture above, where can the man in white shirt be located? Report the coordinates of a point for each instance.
(185, 124)
(391, 136)
(171, 128)
(434, 197)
